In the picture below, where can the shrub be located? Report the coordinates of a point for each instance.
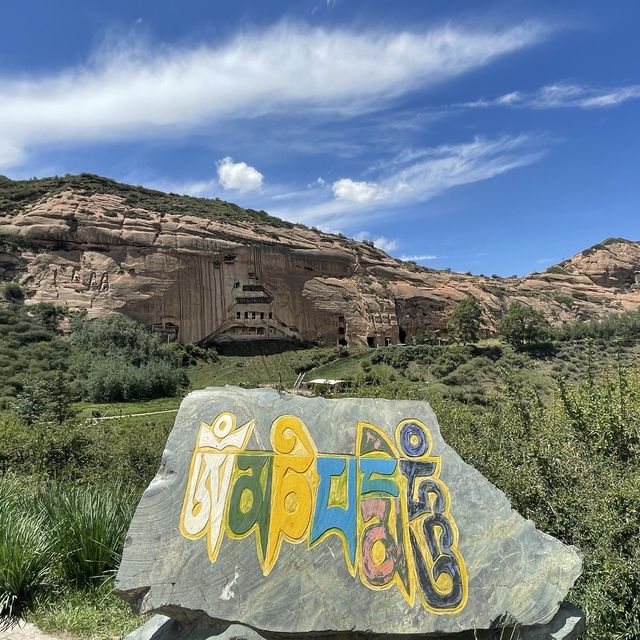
(118, 360)
(12, 292)
(564, 299)
(120, 381)
(582, 482)
(44, 399)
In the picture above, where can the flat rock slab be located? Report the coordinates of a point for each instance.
(567, 624)
(307, 515)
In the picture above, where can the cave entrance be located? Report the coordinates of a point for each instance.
(388, 341)
(402, 336)
(371, 341)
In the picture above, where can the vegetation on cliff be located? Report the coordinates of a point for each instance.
(18, 194)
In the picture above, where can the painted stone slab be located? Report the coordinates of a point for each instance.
(300, 515)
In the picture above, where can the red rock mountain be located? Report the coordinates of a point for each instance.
(207, 270)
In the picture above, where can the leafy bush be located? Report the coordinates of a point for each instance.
(119, 360)
(450, 359)
(116, 380)
(12, 292)
(624, 327)
(44, 399)
(30, 347)
(582, 482)
(564, 299)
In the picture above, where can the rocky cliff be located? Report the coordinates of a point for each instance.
(206, 270)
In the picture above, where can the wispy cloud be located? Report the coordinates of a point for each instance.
(381, 242)
(419, 175)
(562, 96)
(358, 191)
(130, 92)
(420, 258)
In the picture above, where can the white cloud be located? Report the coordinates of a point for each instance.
(238, 175)
(385, 244)
(562, 96)
(381, 242)
(421, 258)
(129, 92)
(419, 175)
(359, 192)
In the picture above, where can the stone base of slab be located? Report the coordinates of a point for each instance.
(567, 624)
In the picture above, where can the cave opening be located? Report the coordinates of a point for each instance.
(371, 341)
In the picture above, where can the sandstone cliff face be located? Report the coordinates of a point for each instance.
(196, 279)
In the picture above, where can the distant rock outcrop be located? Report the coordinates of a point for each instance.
(204, 270)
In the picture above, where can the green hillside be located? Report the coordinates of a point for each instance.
(17, 194)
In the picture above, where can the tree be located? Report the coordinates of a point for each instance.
(60, 397)
(32, 402)
(464, 323)
(45, 400)
(523, 325)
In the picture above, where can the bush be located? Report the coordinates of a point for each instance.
(100, 454)
(582, 481)
(44, 399)
(12, 292)
(120, 381)
(117, 360)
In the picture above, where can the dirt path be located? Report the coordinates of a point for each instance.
(134, 415)
(27, 631)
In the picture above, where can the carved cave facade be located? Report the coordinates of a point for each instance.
(259, 293)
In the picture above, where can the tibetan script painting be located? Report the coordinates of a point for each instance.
(387, 504)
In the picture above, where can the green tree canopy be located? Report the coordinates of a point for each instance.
(117, 359)
(523, 325)
(464, 323)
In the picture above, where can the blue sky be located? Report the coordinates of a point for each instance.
(494, 137)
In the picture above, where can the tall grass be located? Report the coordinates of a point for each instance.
(88, 526)
(57, 537)
(27, 551)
